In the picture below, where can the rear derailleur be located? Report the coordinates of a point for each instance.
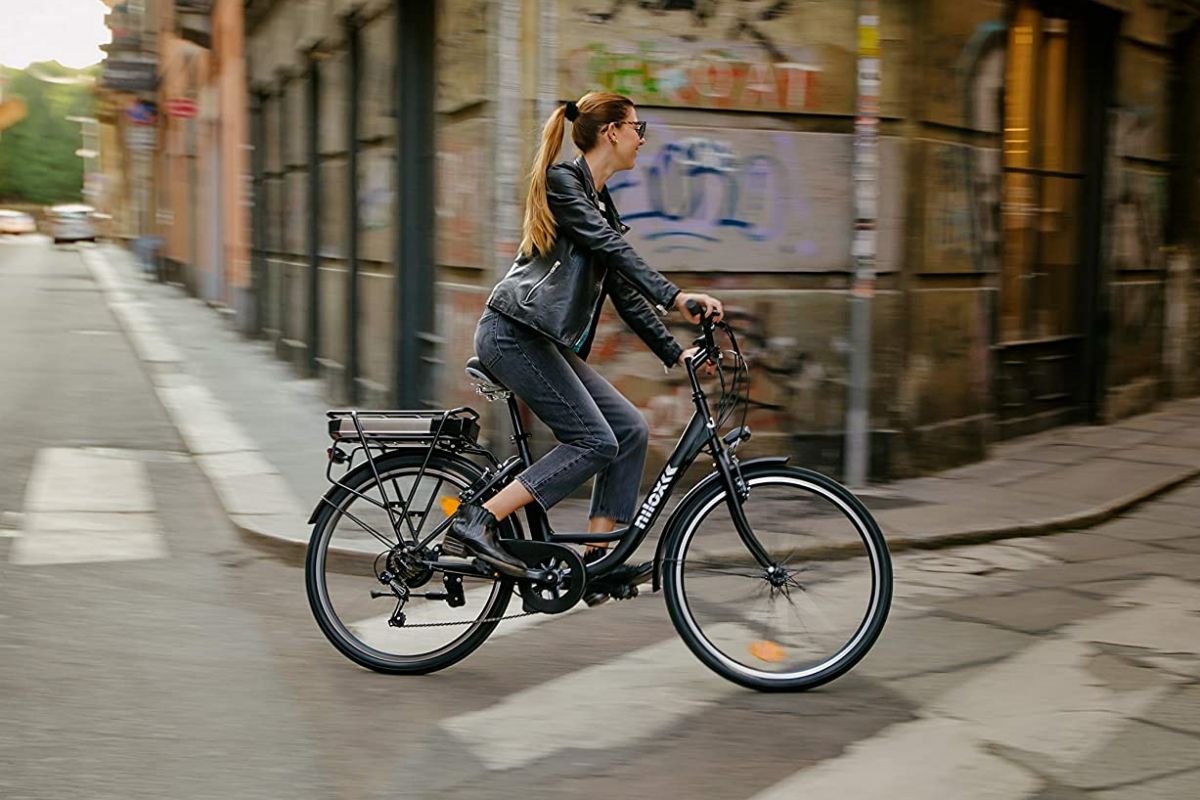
(405, 571)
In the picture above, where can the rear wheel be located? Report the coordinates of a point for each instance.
(805, 619)
(353, 543)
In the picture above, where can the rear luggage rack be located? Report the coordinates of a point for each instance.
(458, 427)
(377, 433)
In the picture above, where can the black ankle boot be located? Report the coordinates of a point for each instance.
(474, 530)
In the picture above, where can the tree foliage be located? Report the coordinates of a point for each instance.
(37, 155)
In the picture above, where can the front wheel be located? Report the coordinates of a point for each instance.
(810, 615)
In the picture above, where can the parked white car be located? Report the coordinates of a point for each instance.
(16, 222)
(71, 222)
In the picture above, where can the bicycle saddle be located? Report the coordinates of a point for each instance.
(479, 373)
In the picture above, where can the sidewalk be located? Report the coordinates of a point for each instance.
(258, 433)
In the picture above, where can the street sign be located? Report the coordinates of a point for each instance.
(182, 107)
(142, 112)
(130, 76)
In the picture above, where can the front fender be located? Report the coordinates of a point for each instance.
(675, 517)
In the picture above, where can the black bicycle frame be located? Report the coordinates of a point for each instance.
(700, 431)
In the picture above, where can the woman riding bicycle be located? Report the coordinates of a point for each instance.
(537, 329)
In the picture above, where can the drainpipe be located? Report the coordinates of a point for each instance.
(258, 211)
(191, 277)
(313, 336)
(354, 42)
(866, 196)
(416, 343)
(284, 283)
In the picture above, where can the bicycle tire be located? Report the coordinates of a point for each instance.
(336, 630)
(675, 582)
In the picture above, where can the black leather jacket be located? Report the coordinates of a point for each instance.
(560, 294)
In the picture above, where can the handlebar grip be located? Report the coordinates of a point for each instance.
(694, 308)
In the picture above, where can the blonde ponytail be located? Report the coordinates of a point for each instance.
(539, 228)
(593, 111)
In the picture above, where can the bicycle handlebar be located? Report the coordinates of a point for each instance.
(706, 325)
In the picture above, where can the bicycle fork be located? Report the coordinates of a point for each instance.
(736, 489)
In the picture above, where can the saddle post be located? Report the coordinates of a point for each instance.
(520, 436)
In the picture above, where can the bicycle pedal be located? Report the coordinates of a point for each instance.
(593, 599)
(624, 592)
(604, 594)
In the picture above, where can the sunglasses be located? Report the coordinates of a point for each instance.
(638, 125)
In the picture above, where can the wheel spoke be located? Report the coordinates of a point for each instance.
(343, 574)
(766, 627)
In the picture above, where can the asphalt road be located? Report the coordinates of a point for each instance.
(147, 652)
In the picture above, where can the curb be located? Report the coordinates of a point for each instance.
(1088, 518)
(254, 495)
(261, 507)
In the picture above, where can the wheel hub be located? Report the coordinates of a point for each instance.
(777, 576)
(409, 567)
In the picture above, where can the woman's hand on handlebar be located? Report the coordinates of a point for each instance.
(711, 305)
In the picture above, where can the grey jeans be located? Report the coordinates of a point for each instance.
(599, 432)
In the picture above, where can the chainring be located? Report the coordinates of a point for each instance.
(569, 575)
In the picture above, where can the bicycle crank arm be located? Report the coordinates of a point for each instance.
(481, 569)
(472, 569)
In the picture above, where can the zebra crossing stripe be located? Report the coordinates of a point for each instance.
(1042, 701)
(925, 758)
(644, 692)
(375, 631)
(84, 505)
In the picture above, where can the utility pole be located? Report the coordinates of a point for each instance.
(866, 200)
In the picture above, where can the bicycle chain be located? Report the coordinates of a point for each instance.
(469, 622)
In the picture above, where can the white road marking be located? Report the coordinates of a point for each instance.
(150, 344)
(375, 631)
(78, 479)
(596, 708)
(250, 488)
(85, 505)
(1042, 701)
(926, 758)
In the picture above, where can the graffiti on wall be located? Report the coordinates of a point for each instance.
(743, 200)
(376, 194)
(709, 77)
(1138, 218)
(964, 44)
(1137, 330)
(1142, 87)
(766, 55)
(794, 342)
(962, 208)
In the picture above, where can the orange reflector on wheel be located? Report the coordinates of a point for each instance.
(449, 505)
(766, 650)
